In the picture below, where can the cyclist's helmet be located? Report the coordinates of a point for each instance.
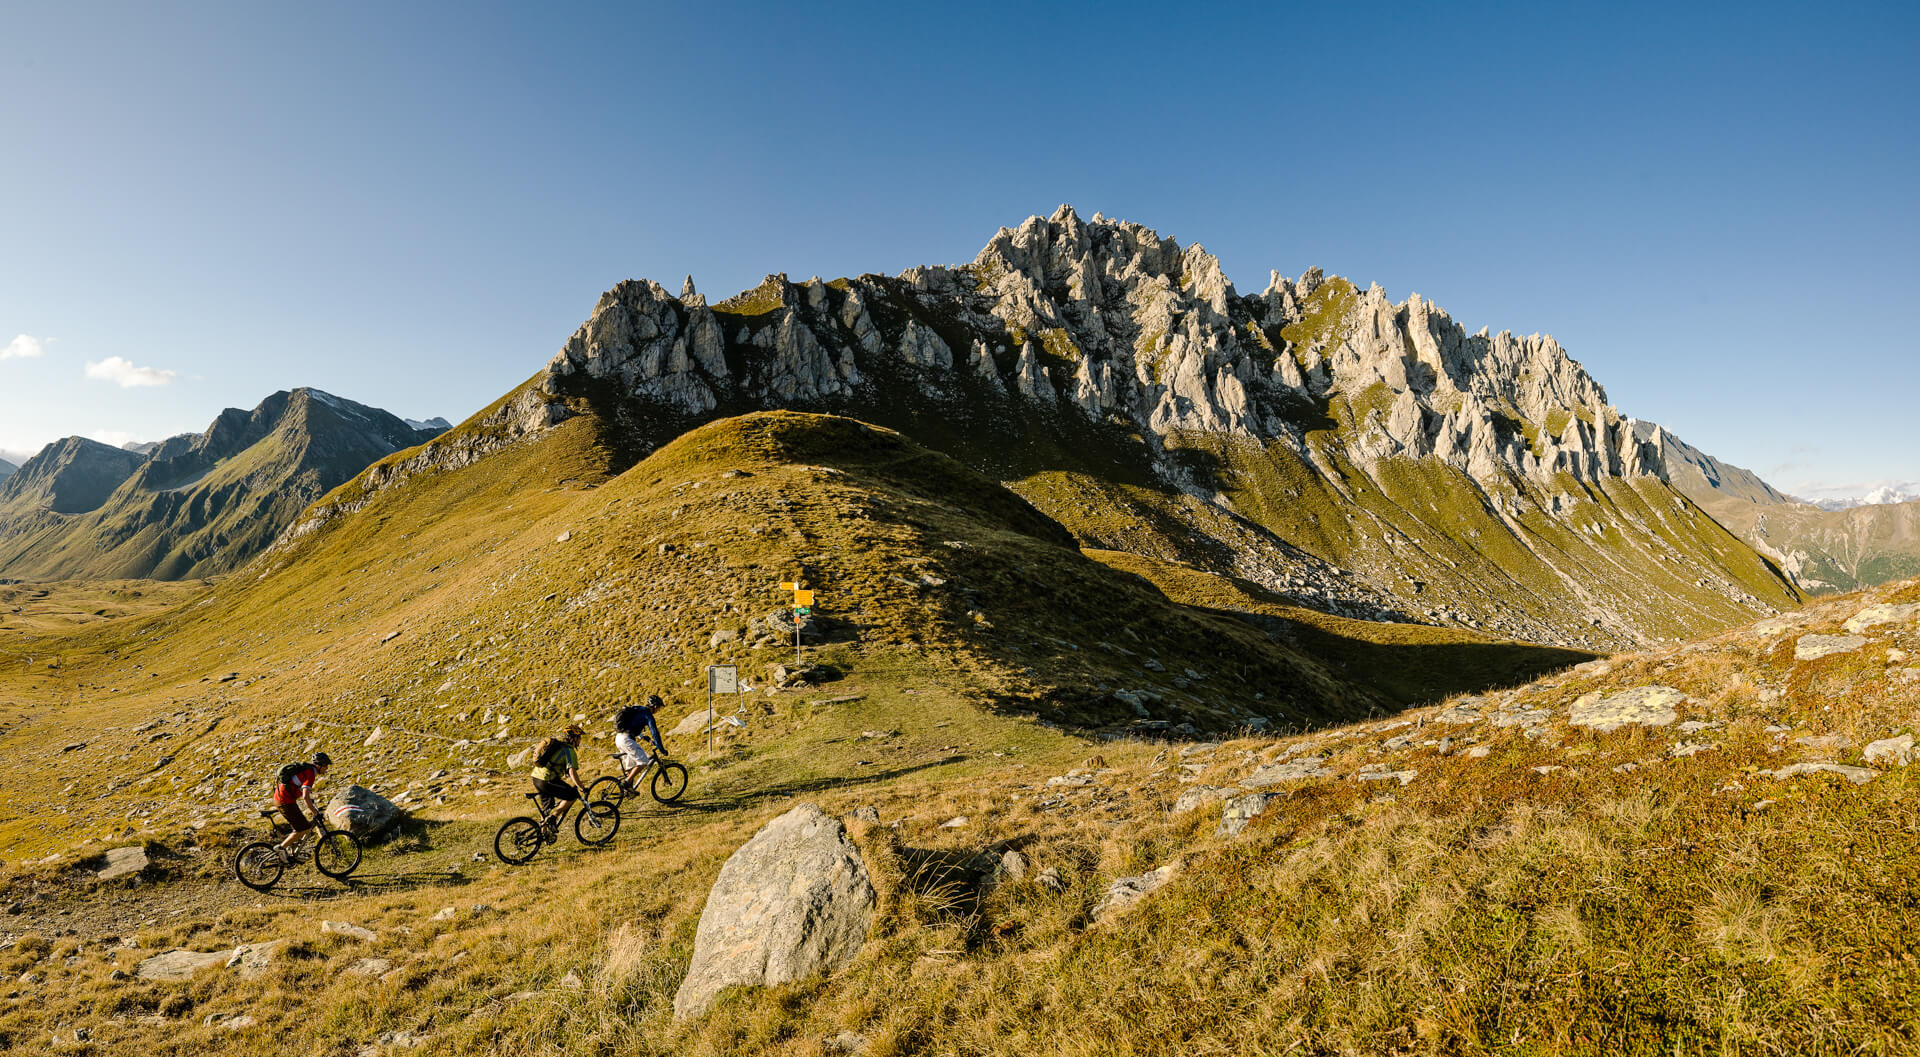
(654, 704)
(574, 733)
(321, 759)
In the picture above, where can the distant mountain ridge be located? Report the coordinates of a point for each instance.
(7, 469)
(195, 504)
(1823, 550)
(1882, 496)
(70, 476)
(1355, 455)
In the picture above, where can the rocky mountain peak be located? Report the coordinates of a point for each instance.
(1109, 318)
(71, 476)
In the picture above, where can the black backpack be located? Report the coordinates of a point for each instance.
(287, 773)
(632, 719)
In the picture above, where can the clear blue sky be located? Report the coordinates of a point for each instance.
(1712, 206)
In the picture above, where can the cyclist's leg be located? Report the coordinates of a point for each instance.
(563, 794)
(301, 827)
(633, 757)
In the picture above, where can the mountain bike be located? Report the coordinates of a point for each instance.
(521, 838)
(259, 865)
(668, 785)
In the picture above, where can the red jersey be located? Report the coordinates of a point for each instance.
(290, 792)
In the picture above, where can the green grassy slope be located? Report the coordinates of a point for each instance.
(535, 586)
(1533, 887)
(1608, 557)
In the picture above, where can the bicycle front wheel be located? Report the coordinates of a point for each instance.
(518, 841)
(258, 866)
(596, 823)
(669, 782)
(608, 788)
(337, 854)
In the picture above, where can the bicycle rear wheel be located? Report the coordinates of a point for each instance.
(518, 841)
(669, 782)
(258, 866)
(597, 822)
(609, 788)
(337, 854)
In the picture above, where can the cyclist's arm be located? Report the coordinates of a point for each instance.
(653, 729)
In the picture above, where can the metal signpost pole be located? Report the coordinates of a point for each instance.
(721, 678)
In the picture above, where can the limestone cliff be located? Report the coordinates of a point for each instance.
(1360, 455)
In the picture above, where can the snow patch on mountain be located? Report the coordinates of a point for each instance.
(1851, 496)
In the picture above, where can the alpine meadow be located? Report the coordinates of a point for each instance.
(1064, 650)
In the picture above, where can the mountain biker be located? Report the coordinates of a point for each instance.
(632, 723)
(296, 786)
(556, 766)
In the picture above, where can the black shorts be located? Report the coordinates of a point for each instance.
(297, 817)
(550, 791)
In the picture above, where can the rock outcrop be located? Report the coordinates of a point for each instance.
(793, 902)
(1350, 453)
(362, 812)
(1108, 318)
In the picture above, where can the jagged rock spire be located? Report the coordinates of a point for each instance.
(1107, 317)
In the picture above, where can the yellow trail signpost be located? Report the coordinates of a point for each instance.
(802, 607)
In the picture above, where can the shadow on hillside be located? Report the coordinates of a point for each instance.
(733, 800)
(1413, 674)
(368, 882)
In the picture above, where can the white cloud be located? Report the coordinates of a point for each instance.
(124, 374)
(23, 347)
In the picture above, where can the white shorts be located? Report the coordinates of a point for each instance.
(630, 749)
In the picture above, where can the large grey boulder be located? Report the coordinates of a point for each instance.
(123, 862)
(1892, 752)
(1814, 647)
(1856, 775)
(361, 811)
(1290, 771)
(1127, 891)
(1647, 706)
(179, 964)
(1241, 810)
(1194, 796)
(252, 960)
(1874, 616)
(793, 902)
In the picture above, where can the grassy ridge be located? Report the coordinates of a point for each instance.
(484, 590)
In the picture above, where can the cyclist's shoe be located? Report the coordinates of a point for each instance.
(285, 856)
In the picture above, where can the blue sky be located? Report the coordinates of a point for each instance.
(414, 205)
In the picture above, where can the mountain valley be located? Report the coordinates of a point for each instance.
(1186, 671)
